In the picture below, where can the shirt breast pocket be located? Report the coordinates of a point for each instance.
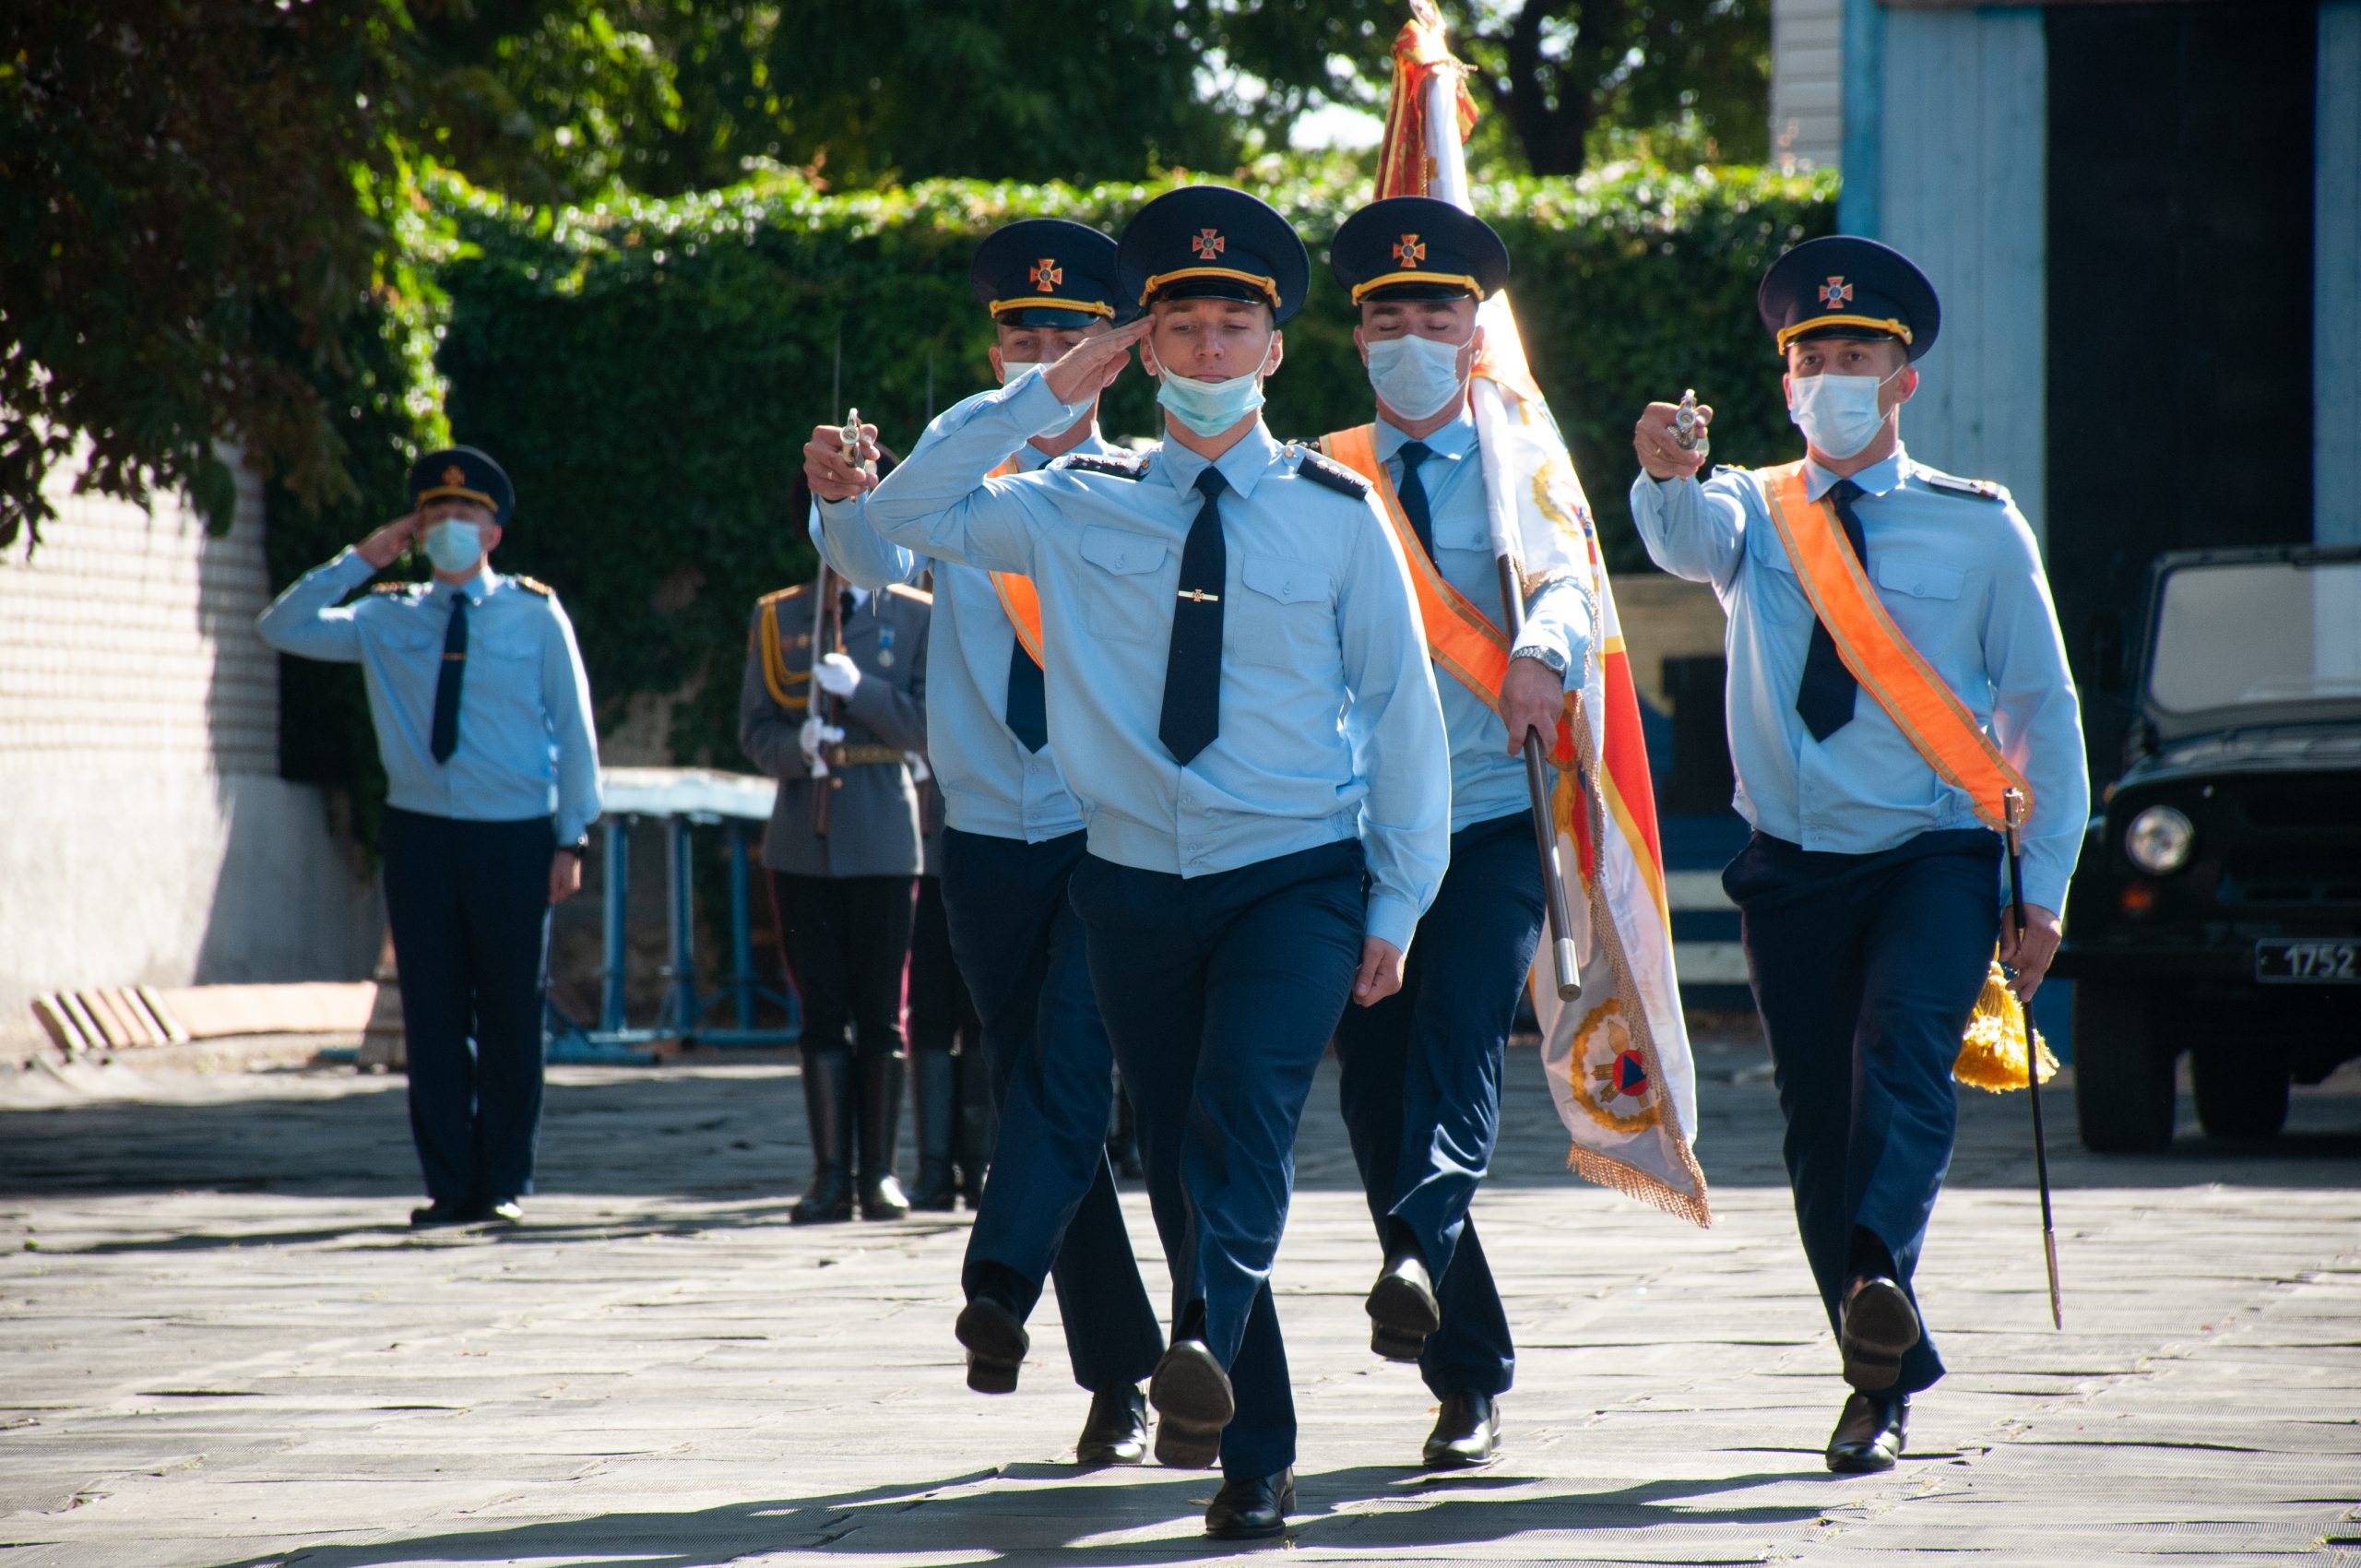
(1922, 597)
(1285, 618)
(1121, 600)
(1778, 592)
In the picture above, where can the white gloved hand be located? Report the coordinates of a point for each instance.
(812, 737)
(838, 675)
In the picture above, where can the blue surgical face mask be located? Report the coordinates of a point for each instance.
(1209, 407)
(453, 545)
(1416, 376)
(1838, 414)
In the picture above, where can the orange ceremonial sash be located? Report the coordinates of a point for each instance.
(1018, 597)
(1464, 642)
(1879, 656)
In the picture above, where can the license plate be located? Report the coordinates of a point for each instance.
(2308, 963)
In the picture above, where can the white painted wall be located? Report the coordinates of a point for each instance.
(1962, 193)
(1807, 82)
(145, 834)
(2336, 280)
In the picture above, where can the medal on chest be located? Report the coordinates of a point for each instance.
(884, 648)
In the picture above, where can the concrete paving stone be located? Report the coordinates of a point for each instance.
(658, 1370)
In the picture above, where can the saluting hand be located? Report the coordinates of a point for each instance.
(382, 547)
(1660, 450)
(1379, 975)
(1091, 366)
(830, 475)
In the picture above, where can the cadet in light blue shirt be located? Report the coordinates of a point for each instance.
(1870, 897)
(483, 720)
(1013, 840)
(1211, 615)
(1420, 1072)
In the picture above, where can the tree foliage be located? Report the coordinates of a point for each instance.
(198, 199)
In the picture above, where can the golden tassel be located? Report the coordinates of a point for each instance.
(1992, 1052)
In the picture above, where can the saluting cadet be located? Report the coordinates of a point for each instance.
(483, 723)
(1213, 612)
(842, 888)
(1012, 839)
(1421, 1070)
(1895, 669)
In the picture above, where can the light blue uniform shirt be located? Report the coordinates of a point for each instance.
(527, 745)
(1961, 578)
(1317, 616)
(992, 784)
(1486, 781)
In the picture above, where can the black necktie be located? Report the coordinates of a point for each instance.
(1824, 697)
(846, 605)
(1414, 493)
(1193, 669)
(1028, 709)
(445, 738)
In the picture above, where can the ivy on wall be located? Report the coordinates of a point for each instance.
(648, 372)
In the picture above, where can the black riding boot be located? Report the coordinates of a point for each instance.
(934, 1091)
(827, 1108)
(880, 1126)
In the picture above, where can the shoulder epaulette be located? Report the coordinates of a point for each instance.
(906, 591)
(1109, 463)
(404, 589)
(1321, 468)
(1981, 488)
(784, 593)
(534, 585)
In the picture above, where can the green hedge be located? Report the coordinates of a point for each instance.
(648, 371)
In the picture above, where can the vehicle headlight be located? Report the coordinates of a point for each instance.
(2159, 840)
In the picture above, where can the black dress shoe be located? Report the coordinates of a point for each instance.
(444, 1211)
(828, 1201)
(1870, 1434)
(1252, 1507)
(996, 1342)
(1191, 1393)
(1879, 1327)
(1116, 1431)
(504, 1211)
(1467, 1434)
(1402, 1309)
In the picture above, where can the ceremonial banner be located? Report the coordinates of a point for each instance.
(1618, 1057)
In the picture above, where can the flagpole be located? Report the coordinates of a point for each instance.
(1447, 181)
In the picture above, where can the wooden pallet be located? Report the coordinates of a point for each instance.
(131, 1017)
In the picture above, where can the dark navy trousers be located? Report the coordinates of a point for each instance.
(1220, 992)
(468, 904)
(1866, 968)
(1050, 1206)
(1421, 1089)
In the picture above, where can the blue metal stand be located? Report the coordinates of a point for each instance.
(681, 1015)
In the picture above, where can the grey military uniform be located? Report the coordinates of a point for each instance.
(874, 827)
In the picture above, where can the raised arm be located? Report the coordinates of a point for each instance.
(853, 551)
(1692, 531)
(306, 621)
(1397, 723)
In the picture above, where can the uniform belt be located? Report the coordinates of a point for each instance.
(858, 755)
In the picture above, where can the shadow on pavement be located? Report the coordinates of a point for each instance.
(1065, 1519)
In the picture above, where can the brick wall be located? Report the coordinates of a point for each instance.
(145, 834)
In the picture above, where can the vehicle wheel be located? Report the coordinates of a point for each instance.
(2123, 1071)
(2242, 1087)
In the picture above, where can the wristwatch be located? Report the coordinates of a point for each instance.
(579, 848)
(1548, 656)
